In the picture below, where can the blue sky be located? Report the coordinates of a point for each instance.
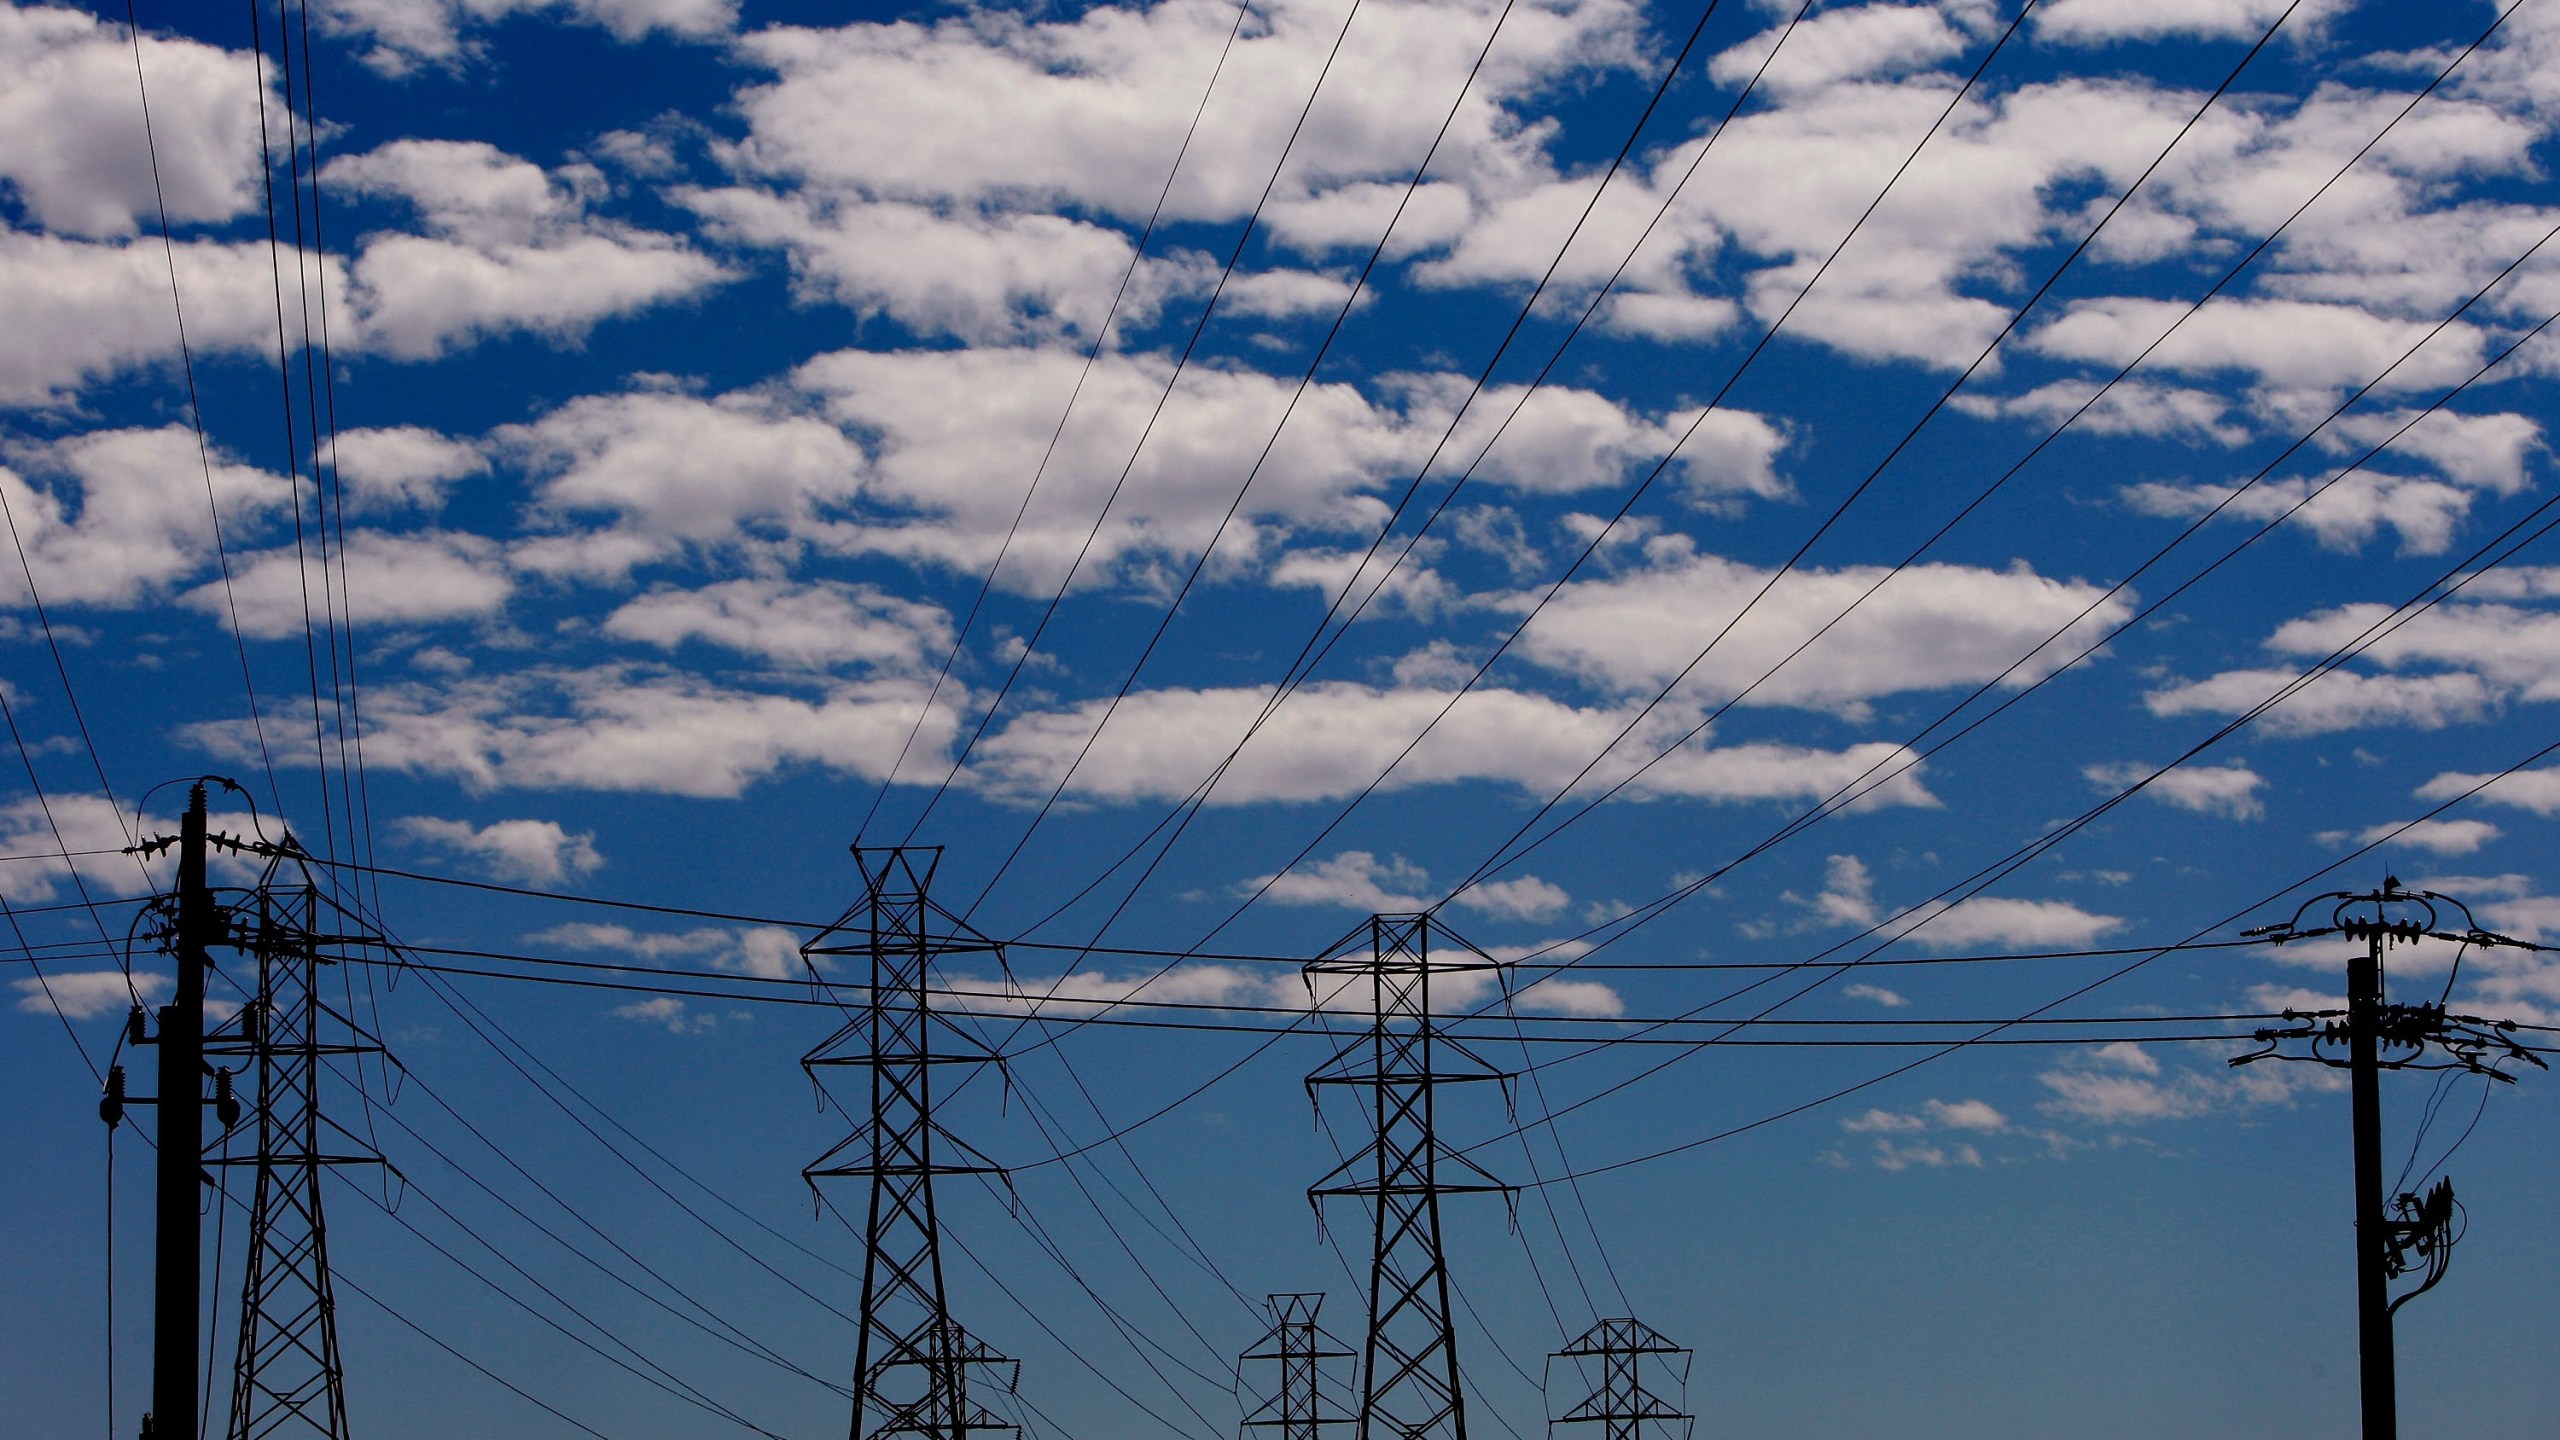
(743, 427)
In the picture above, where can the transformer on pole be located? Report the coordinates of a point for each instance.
(1409, 1379)
(912, 1361)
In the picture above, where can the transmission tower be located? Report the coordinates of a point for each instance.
(1298, 1408)
(286, 1379)
(2377, 1036)
(912, 1361)
(1409, 1382)
(1623, 1405)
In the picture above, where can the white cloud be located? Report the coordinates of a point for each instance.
(1087, 112)
(2534, 790)
(1359, 880)
(2121, 1084)
(2285, 344)
(77, 823)
(668, 1011)
(1587, 998)
(2131, 407)
(630, 728)
(1524, 898)
(766, 951)
(946, 483)
(2441, 837)
(1890, 999)
(82, 312)
(814, 626)
(72, 147)
(668, 470)
(2338, 700)
(1353, 879)
(2515, 649)
(1928, 627)
(1848, 43)
(409, 34)
(2014, 924)
(402, 467)
(508, 248)
(984, 278)
(126, 515)
(2346, 511)
(2099, 22)
(1333, 738)
(1971, 1117)
(2230, 791)
(86, 994)
(417, 578)
(532, 852)
(1847, 897)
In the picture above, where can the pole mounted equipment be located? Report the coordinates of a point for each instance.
(1409, 1378)
(2371, 1035)
(286, 1377)
(912, 1362)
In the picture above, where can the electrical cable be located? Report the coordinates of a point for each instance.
(1306, 381)
(1101, 335)
(670, 1384)
(341, 1277)
(1504, 855)
(195, 413)
(719, 1327)
(1602, 533)
(1992, 1035)
(1031, 641)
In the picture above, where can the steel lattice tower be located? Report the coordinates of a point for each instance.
(1409, 1384)
(1623, 1405)
(912, 1360)
(286, 1377)
(1297, 1346)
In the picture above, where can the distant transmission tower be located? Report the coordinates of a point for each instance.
(1409, 1382)
(286, 1379)
(912, 1361)
(1624, 1406)
(1298, 1408)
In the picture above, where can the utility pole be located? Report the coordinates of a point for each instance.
(912, 1361)
(1624, 1405)
(2377, 1035)
(192, 924)
(1297, 1346)
(287, 1379)
(1409, 1379)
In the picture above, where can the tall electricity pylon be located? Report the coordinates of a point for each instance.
(1297, 1346)
(1623, 1405)
(1409, 1381)
(912, 1361)
(286, 1379)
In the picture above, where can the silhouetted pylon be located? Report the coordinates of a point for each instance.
(1409, 1379)
(912, 1361)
